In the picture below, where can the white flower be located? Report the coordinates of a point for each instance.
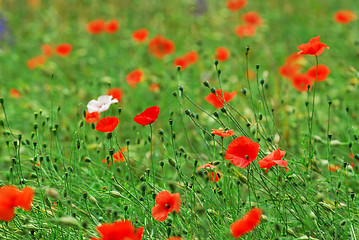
(101, 105)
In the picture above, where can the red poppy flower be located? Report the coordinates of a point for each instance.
(181, 62)
(222, 133)
(11, 197)
(252, 18)
(246, 30)
(154, 87)
(235, 5)
(120, 230)
(148, 116)
(344, 16)
(107, 124)
(96, 26)
(15, 93)
(242, 151)
(112, 26)
(247, 223)
(213, 176)
(160, 47)
(222, 54)
(301, 82)
(140, 35)
(165, 204)
(313, 47)
(134, 77)
(191, 57)
(334, 167)
(274, 158)
(116, 93)
(174, 238)
(35, 62)
(289, 70)
(63, 49)
(294, 59)
(323, 72)
(217, 99)
(46, 50)
(117, 157)
(92, 117)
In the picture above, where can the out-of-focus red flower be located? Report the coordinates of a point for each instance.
(165, 204)
(344, 16)
(35, 62)
(247, 223)
(46, 50)
(140, 35)
(63, 49)
(323, 72)
(120, 230)
(289, 70)
(174, 238)
(96, 26)
(212, 175)
(117, 157)
(294, 59)
(252, 18)
(191, 57)
(116, 93)
(92, 117)
(313, 47)
(245, 30)
(301, 82)
(148, 116)
(222, 54)
(107, 124)
(11, 197)
(187, 59)
(15, 93)
(154, 87)
(334, 167)
(274, 158)
(242, 151)
(217, 99)
(160, 47)
(181, 62)
(134, 77)
(235, 5)
(222, 133)
(112, 26)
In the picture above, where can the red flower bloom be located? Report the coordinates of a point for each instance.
(116, 93)
(242, 151)
(92, 117)
(15, 93)
(11, 197)
(323, 72)
(344, 16)
(182, 62)
(165, 204)
(289, 70)
(274, 158)
(220, 132)
(134, 77)
(148, 116)
(235, 5)
(245, 31)
(212, 175)
(154, 87)
(217, 99)
(294, 59)
(112, 26)
(46, 50)
(252, 18)
(222, 54)
(140, 35)
(313, 47)
(247, 223)
(120, 230)
(174, 238)
(160, 47)
(96, 26)
(334, 167)
(117, 157)
(36, 61)
(191, 57)
(301, 82)
(107, 124)
(63, 49)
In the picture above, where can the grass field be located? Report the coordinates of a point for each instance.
(166, 171)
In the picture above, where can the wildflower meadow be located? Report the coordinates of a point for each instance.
(179, 120)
